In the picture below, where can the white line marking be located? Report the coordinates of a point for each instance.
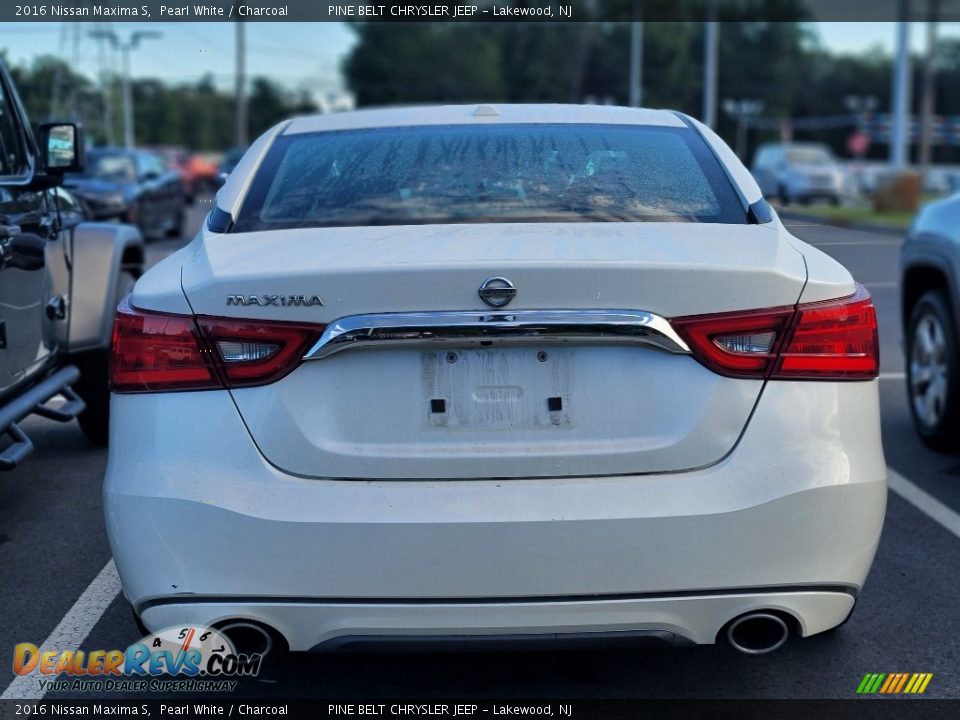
(894, 243)
(924, 502)
(72, 630)
(893, 376)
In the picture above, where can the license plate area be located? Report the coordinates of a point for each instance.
(498, 388)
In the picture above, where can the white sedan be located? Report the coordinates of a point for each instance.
(496, 373)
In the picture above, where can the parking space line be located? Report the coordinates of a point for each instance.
(831, 243)
(924, 502)
(73, 628)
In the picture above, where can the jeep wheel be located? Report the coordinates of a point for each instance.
(94, 383)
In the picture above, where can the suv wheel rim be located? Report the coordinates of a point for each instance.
(928, 370)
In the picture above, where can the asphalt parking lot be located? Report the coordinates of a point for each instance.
(53, 545)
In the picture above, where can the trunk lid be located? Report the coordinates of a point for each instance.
(502, 410)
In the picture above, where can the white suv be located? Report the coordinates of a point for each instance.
(498, 372)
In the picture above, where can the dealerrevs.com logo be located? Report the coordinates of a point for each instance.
(186, 659)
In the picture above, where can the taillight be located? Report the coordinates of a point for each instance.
(832, 340)
(161, 351)
(249, 352)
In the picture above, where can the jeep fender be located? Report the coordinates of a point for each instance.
(100, 252)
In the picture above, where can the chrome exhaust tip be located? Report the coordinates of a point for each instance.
(248, 638)
(757, 633)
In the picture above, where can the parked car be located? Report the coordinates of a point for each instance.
(60, 281)
(201, 168)
(134, 186)
(176, 159)
(496, 373)
(798, 172)
(930, 306)
(229, 162)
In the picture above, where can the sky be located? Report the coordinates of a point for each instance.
(297, 54)
(291, 53)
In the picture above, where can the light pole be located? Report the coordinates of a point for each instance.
(710, 33)
(240, 133)
(636, 56)
(742, 110)
(133, 40)
(928, 99)
(900, 125)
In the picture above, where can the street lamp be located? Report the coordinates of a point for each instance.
(132, 42)
(742, 110)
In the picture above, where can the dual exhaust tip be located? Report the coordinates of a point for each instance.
(754, 633)
(757, 633)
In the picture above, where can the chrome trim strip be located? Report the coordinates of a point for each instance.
(597, 327)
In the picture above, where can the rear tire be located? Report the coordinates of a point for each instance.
(933, 372)
(94, 383)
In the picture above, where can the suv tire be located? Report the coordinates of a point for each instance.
(933, 371)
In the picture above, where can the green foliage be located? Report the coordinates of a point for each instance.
(767, 52)
(198, 116)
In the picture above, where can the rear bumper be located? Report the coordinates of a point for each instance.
(320, 626)
(204, 529)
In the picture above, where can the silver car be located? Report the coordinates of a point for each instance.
(798, 172)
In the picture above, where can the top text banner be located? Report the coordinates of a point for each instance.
(477, 11)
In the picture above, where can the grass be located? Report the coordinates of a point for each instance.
(853, 215)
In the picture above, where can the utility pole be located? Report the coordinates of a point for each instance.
(928, 98)
(240, 135)
(710, 45)
(636, 55)
(133, 41)
(900, 126)
(106, 85)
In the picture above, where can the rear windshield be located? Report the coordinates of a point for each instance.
(492, 173)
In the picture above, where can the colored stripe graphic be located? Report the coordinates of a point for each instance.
(891, 681)
(870, 683)
(894, 683)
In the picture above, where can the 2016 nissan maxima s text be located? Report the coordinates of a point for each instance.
(495, 372)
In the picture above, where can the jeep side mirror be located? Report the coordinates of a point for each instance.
(62, 146)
